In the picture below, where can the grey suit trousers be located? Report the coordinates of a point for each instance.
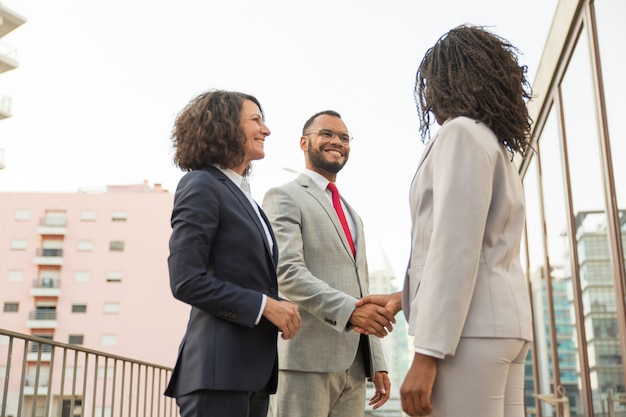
(485, 378)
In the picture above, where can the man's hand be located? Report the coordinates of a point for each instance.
(383, 389)
(418, 384)
(392, 302)
(283, 315)
(372, 319)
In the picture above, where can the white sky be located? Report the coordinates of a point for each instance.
(100, 83)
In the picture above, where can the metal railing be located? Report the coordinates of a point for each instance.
(8, 51)
(5, 104)
(47, 314)
(53, 222)
(73, 381)
(49, 252)
(46, 282)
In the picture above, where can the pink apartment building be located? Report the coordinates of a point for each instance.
(90, 269)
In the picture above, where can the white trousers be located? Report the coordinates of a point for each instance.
(485, 378)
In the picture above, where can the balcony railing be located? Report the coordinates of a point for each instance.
(8, 51)
(53, 222)
(96, 383)
(49, 252)
(5, 106)
(46, 282)
(42, 315)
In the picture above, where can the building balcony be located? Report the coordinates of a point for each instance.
(8, 58)
(42, 319)
(5, 107)
(49, 257)
(46, 287)
(52, 226)
(9, 20)
(39, 352)
(30, 383)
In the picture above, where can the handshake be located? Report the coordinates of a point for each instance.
(374, 314)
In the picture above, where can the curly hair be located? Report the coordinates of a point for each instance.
(207, 131)
(474, 73)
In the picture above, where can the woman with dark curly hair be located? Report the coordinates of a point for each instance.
(222, 263)
(465, 297)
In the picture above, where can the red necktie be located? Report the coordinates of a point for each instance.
(342, 217)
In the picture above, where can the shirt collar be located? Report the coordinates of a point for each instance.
(232, 175)
(317, 178)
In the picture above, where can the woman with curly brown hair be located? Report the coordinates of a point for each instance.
(465, 297)
(222, 263)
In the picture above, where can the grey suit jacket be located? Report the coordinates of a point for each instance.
(316, 270)
(464, 277)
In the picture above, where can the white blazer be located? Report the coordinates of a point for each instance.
(464, 277)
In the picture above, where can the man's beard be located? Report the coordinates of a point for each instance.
(317, 159)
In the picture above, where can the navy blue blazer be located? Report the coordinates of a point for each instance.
(220, 263)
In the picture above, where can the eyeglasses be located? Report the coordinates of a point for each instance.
(328, 134)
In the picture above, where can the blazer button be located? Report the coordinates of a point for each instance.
(273, 290)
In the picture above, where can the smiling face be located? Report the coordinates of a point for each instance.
(255, 132)
(326, 156)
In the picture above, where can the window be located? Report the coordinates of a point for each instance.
(15, 275)
(79, 308)
(22, 215)
(109, 371)
(18, 244)
(85, 245)
(11, 306)
(49, 278)
(42, 380)
(116, 246)
(72, 372)
(119, 216)
(55, 218)
(45, 311)
(108, 340)
(52, 247)
(103, 411)
(88, 216)
(72, 407)
(114, 276)
(82, 276)
(75, 339)
(36, 346)
(111, 308)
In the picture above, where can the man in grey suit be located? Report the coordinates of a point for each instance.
(323, 268)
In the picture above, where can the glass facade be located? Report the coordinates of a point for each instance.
(575, 185)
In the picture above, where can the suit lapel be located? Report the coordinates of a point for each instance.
(318, 194)
(245, 203)
(274, 252)
(425, 153)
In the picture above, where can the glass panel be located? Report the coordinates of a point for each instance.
(536, 258)
(529, 376)
(610, 23)
(591, 223)
(558, 237)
